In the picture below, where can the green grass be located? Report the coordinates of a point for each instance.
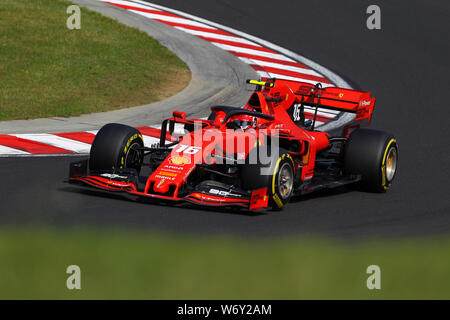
(48, 70)
(123, 265)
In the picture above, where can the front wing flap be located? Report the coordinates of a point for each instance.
(214, 193)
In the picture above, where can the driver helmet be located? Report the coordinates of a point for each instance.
(243, 121)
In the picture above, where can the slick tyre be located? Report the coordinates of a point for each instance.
(372, 154)
(116, 146)
(277, 175)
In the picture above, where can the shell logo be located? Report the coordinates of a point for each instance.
(179, 160)
(341, 95)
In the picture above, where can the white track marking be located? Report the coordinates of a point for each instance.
(279, 66)
(217, 36)
(8, 150)
(42, 155)
(149, 140)
(178, 129)
(171, 19)
(56, 141)
(131, 4)
(259, 53)
(334, 78)
(305, 61)
(281, 76)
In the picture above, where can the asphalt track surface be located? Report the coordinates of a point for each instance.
(405, 65)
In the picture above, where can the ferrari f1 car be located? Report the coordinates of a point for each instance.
(257, 156)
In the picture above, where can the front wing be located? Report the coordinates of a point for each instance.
(206, 193)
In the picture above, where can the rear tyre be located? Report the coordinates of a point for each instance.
(116, 146)
(374, 155)
(277, 175)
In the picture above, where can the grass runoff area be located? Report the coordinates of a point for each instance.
(118, 264)
(49, 70)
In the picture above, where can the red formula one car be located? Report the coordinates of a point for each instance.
(256, 157)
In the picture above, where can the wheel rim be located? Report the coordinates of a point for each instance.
(133, 158)
(285, 180)
(391, 164)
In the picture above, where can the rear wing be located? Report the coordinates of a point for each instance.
(332, 98)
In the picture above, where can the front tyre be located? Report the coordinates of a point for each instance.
(282, 184)
(374, 155)
(277, 175)
(116, 146)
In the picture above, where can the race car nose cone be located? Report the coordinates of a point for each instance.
(161, 187)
